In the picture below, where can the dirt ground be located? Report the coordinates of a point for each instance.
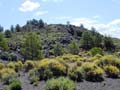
(107, 84)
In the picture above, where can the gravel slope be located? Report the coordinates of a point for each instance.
(107, 84)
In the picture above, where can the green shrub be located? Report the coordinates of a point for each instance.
(95, 51)
(111, 71)
(60, 84)
(6, 88)
(7, 78)
(91, 72)
(117, 54)
(33, 72)
(16, 85)
(75, 74)
(34, 76)
(47, 74)
(34, 80)
(108, 60)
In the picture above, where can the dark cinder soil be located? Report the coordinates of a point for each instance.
(26, 83)
(107, 84)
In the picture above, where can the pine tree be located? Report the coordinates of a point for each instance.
(108, 43)
(3, 42)
(41, 24)
(29, 26)
(97, 38)
(8, 34)
(12, 29)
(58, 50)
(1, 29)
(18, 28)
(31, 47)
(87, 40)
(73, 48)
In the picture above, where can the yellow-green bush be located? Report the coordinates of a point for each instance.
(75, 74)
(79, 63)
(15, 65)
(91, 71)
(54, 66)
(60, 84)
(7, 71)
(108, 60)
(2, 65)
(11, 65)
(72, 58)
(29, 65)
(18, 65)
(83, 53)
(83, 59)
(97, 56)
(111, 71)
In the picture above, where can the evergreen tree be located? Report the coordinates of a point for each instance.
(18, 28)
(93, 30)
(58, 50)
(108, 43)
(12, 28)
(73, 48)
(97, 38)
(31, 47)
(1, 29)
(82, 27)
(3, 42)
(87, 40)
(29, 26)
(34, 22)
(41, 23)
(8, 34)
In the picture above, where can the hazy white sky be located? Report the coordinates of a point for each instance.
(104, 15)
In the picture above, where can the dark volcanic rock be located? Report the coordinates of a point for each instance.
(65, 40)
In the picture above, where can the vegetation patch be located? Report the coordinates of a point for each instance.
(112, 71)
(60, 84)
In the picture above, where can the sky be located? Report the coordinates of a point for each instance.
(103, 15)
